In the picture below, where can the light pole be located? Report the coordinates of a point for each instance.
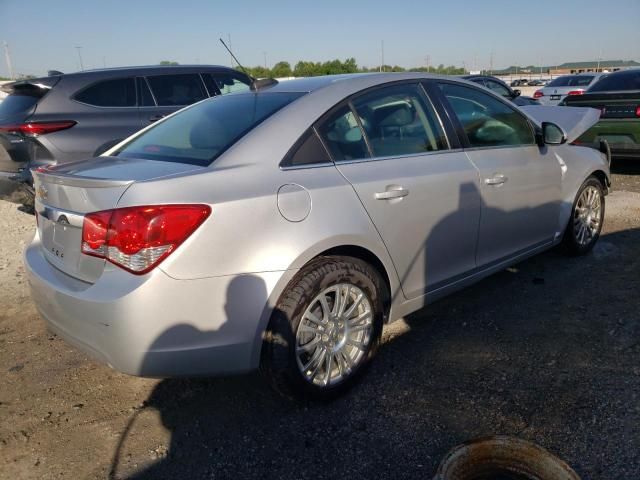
(7, 57)
(265, 59)
(80, 57)
(428, 63)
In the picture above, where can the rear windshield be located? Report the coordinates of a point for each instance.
(199, 134)
(16, 103)
(574, 81)
(618, 82)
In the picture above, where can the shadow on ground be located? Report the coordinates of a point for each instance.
(547, 351)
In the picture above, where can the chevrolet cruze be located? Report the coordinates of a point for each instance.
(282, 227)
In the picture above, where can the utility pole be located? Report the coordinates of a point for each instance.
(464, 66)
(80, 57)
(104, 62)
(382, 55)
(428, 63)
(491, 63)
(229, 37)
(7, 57)
(599, 56)
(265, 59)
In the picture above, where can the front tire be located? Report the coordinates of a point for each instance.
(325, 328)
(587, 216)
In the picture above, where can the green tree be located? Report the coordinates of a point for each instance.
(168, 62)
(281, 69)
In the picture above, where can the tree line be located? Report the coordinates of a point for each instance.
(332, 67)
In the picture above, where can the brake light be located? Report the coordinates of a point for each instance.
(538, 94)
(638, 111)
(139, 238)
(33, 129)
(576, 92)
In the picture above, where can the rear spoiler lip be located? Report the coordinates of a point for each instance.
(78, 181)
(36, 83)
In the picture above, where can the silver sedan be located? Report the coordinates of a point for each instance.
(281, 228)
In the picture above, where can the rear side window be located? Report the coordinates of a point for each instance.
(575, 81)
(120, 92)
(398, 121)
(16, 103)
(307, 151)
(487, 121)
(199, 134)
(618, 82)
(343, 136)
(177, 90)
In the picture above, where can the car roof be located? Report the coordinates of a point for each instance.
(311, 84)
(150, 70)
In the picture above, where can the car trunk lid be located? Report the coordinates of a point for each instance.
(64, 194)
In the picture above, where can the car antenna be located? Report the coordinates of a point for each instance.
(255, 83)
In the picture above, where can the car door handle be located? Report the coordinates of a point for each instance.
(392, 191)
(155, 118)
(497, 179)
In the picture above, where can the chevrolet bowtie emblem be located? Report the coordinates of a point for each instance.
(42, 193)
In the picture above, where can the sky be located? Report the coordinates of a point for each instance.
(43, 35)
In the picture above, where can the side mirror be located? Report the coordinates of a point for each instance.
(552, 134)
(516, 93)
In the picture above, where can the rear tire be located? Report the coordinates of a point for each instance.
(587, 216)
(325, 328)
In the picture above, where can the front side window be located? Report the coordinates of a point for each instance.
(176, 90)
(120, 92)
(487, 121)
(229, 83)
(343, 136)
(497, 88)
(199, 134)
(398, 121)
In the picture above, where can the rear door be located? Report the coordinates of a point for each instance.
(422, 196)
(170, 93)
(519, 182)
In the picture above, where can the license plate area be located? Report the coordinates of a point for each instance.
(555, 97)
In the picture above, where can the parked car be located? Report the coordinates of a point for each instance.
(69, 117)
(283, 227)
(618, 98)
(557, 89)
(501, 88)
(537, 83)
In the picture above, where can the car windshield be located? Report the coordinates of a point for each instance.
(575, 81)
(618, 82)
(199, 134)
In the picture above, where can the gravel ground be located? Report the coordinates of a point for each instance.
(548, 351)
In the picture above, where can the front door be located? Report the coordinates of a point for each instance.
(520, 183)
(422, 197)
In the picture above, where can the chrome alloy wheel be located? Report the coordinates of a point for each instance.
(334, 334)
(587, 215)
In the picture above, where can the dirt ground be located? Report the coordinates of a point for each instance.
(548, 351)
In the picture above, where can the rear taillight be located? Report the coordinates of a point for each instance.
(538, 94)
(638, 111)
(139, 238)
(33, 129)
(576, 92)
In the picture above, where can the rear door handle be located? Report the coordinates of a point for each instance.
(497, 179)
(155, 118)
(391, 192)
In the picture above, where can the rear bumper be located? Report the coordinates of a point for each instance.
(623, 137)
(154, 325)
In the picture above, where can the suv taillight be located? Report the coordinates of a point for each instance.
(538, 94)
(576, 92)
(33, 129)
(139, 238)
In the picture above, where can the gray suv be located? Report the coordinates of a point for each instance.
(67, 117)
